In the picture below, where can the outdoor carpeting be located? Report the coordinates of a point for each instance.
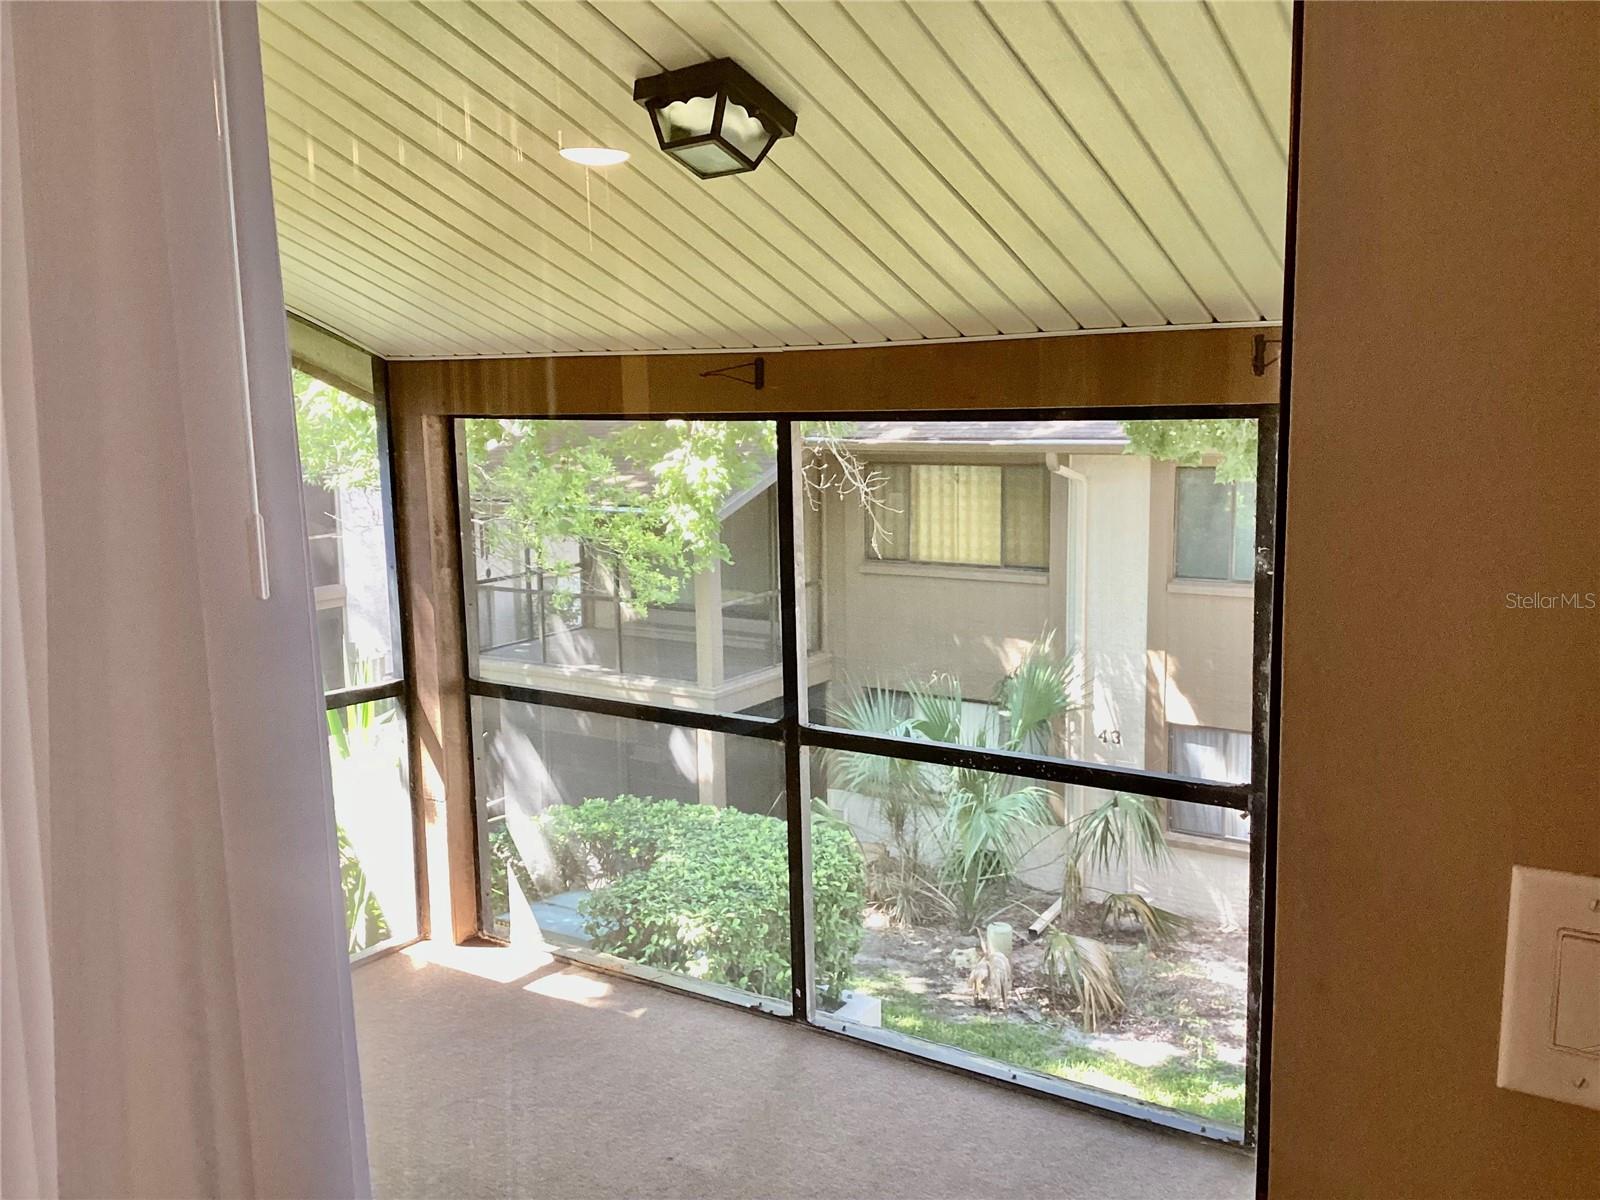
(500, 1076)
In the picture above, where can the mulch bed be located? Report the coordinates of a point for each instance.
(1188, 991)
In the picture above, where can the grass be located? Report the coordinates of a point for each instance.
(1208, 1088)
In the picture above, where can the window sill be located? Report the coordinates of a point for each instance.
(1210, 587)
(1037, 578)
(1211, 845)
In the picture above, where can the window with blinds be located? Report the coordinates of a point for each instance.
(1217, 755)
(961, 514)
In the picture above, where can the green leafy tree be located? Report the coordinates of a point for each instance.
(1191, 443)
(338, 435)
(645, 496)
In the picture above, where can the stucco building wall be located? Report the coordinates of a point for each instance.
(1154, 651)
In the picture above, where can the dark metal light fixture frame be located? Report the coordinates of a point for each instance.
(727, 81)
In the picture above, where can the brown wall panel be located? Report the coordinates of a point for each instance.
(1445, 451)
(1195, 366)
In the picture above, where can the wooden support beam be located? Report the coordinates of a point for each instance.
(427, 531)
(1189, 366)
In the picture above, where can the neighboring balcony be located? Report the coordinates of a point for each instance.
(718, 647)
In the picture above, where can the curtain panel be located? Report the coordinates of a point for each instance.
(171, 877)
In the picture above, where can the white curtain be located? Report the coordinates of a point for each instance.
(27, 1042)
(176, 1001)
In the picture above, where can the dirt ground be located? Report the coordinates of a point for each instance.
(1182, 996)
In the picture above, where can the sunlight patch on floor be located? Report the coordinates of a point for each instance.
(571, 986)
(496, 963)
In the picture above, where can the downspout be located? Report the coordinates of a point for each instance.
(1077, 619)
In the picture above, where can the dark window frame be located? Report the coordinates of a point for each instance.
(397, 684)
(797, 734)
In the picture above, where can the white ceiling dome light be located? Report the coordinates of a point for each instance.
(594, 156)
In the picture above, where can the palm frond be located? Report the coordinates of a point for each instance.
(987, 820)
(872, 710)
(355, 726)
(989, 815)
(1083, 972)
(936, 710)
(337, 734)
(364, 920)
(899, 890)
(1037, 693)
(1159, 925)
(823, 813)
(1119, 828)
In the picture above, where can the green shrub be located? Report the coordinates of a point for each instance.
(838, 903)
(599, 841)
(704, 891)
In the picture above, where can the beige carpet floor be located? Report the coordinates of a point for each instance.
(487, 1074)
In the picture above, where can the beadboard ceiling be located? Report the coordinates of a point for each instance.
(959, 170)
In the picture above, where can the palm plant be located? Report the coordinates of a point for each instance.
(1036, 695)
(989, 820)
(986, 824)
(1115, 831)
(356, 726)
(896, 880)
(986, 817)
(363, 916)
(1158, 925)
(1082, 972)
(899, 784)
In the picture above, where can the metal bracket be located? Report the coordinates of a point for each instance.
(757, 367)
(1259, 362)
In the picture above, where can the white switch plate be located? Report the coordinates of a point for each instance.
(1550, 1012)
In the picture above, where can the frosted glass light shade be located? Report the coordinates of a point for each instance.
(714, 118)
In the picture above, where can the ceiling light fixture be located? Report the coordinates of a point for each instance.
(714, 118)
(594, 156)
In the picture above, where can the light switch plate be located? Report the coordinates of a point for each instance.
(1550, 1011)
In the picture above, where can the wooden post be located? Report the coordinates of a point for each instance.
(428, 534)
